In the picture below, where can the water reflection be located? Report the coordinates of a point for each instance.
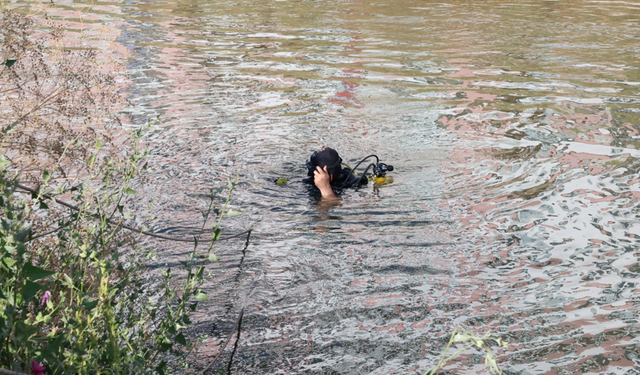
(514, 129)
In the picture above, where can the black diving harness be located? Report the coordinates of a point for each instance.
(379, 170)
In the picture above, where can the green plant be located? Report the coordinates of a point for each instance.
(80, 306)
(73, 298)
(485, 342)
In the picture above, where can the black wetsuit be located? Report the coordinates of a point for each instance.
(340, 181)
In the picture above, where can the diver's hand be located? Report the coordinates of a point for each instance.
(322, 180)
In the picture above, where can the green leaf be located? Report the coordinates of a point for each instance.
(213, 258)
(130, 191)
(23, 331)
(229, 184)
(216, 234)
(45, 175)
(161, 368)
(459, 337)
(22, 236)
(181, 340)
(3, 162)
(281, 181)
(91, 159)
(9, 63)
(52, 347)
(68, 281)
(9, 262)
(232, 213)
(201, 297)
(35, 273)
(98, 145)
(478, 342)
(90, 303)
(30, 289)
(9, 249)
(166, 344)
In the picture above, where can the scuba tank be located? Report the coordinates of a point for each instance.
(378, 174)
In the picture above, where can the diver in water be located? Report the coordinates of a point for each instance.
(326, 173)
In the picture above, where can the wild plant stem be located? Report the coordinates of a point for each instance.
(443, 355)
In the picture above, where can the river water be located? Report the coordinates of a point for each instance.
(513, 127)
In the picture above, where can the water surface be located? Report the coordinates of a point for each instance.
(514, 131)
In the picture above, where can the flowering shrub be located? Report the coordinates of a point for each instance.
(36, 369)
(81, 305)
(73, 299)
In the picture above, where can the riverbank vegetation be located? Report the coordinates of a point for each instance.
(74, 298)
(75, 295)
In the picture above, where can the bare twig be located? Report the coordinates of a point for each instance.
(9, 372)
(137, 230)
(235, 327)
(34, 109)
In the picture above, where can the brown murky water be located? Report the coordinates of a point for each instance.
(514, 128)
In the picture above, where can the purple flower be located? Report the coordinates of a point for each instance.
(36, 368)
(45, 297)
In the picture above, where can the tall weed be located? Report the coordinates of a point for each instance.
(74, 296)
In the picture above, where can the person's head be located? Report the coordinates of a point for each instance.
(325, 157)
